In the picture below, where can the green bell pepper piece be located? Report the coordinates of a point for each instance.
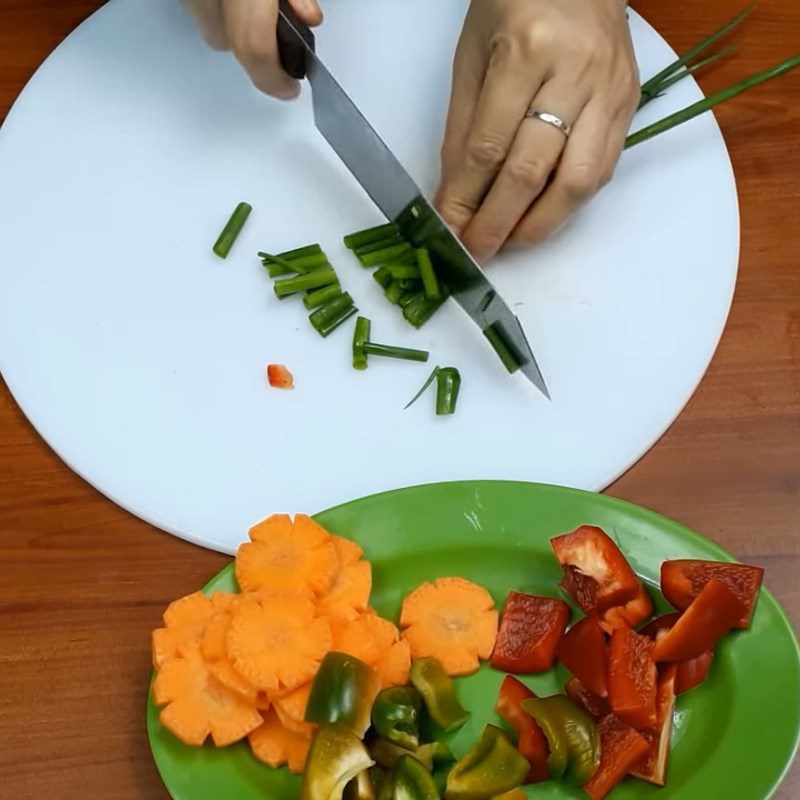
(360, 788)
(395, 715)
(571, 734)
(413, 781)
(491, 767)
(336, 756)
(342, 693)
(387, 754)
(439, 693)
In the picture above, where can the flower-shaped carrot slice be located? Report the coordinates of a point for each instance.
(277, 644)
(196, 704)
(348, 596)
(276, 745)
(453, 620)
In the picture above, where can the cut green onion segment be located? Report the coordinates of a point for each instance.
(430, 282)
(448, 385)
(301, 252)
(301, 283)
(382, 277)
(420, 309)
(360, 338)
(383, 255)
(318, 297)
(277, 270)
(360, 238)
(403, 271)
(390, 351)
(424, 386)
(330, 310)
(501, 347)
(395, 291)
(379, 245)
(327, 329)
(233, 227)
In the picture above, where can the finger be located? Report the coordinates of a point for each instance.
(505, 97)
(533, 157)
(207, 14)
(582, 172)
(308, 10)
(252, 32)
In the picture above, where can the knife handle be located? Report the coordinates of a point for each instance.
(292, 34)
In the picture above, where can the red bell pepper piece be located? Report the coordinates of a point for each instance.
(596, 574)
(583, 651)
(653, 767)
(279, 377)
(596, 707)
(531, 742)
(530, 632)
(684, 579)
(632, 678)
(630, 614)
(620, 748)
(689, 673)
(713, 613)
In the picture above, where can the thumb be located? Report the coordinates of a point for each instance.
(308, 10)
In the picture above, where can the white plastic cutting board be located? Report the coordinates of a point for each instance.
(140, 357)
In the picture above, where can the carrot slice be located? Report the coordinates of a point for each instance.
(185, 622)
(368, 638)
(349, 594)
(291, 710)
(453, 620)
(393, 667)
(225, 673)
(287, 556)
(196, 704)
(275, 745)
(277, 644)
(214, 642)
(347, 551)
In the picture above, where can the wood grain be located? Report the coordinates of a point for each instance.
(83, 582)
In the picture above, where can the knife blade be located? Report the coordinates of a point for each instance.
(395, 193)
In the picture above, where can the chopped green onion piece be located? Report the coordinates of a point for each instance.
(382, 277)
(330, 310)
(425, 385)
(657, 91)
(394, 292)
(430, 283)
(386, 254)
(701, 106)
(359, 238)
(276, 270)
(403, 271)
(448, 384)
(300, 252)
(390, 351)
(327, 329)
(318, 297)
(360, 338)
(301, 283)
(407, 298)
(421, 309)
(498, 341)
(233, 227)
(379, 245)
(302, 265)
(665, 73)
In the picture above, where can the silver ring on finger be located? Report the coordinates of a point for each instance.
(549, 119)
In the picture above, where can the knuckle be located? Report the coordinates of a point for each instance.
(486, 151)
(530, 172)
(582, 181)
(253, 47)
(456, 212)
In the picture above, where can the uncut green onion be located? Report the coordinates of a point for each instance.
(318, 297)
(679, 76)
(379, 245)
(665, 73)
(430, 283)
(403, 271)
(390, 351)
(233, 227)
(424, 386)
(701, 106)
(498, 342)
(448, 385)
(360, 338)
(332, 309)
(382, 277)
(359, 238)
(326, 330)
(302, 283)
(394, 291)
(300, 252)
(421, 309)
(384, 255)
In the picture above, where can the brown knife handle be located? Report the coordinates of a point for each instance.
(292, 32)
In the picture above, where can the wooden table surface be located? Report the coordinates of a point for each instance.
(83, 582)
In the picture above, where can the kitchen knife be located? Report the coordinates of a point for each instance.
(385, 180)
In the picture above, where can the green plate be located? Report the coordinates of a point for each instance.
(735, 736)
